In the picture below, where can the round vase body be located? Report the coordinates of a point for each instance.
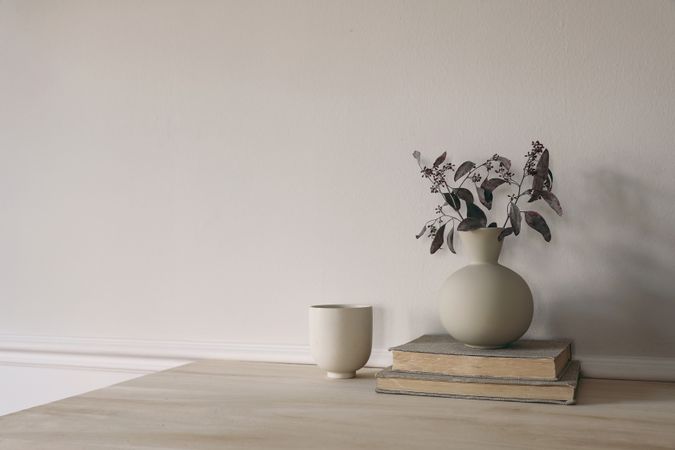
(485, 304)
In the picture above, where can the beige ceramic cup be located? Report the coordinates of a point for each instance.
(340, 338)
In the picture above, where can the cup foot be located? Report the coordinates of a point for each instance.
(340, 375)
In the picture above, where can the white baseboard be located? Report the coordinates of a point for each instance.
(102, 363)
(147, 356)
(650, 368)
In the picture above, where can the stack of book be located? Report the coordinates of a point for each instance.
(527, 370)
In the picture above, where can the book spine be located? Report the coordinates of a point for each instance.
(474, 397)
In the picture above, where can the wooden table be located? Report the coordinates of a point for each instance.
(244, 405)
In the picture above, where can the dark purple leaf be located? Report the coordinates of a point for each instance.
(538, 223)
(541, 172)
(417, 155)
(464, 194)
(473, 211)
(514, 218)
(440, 159)
(548, 182)
(505, 162)
(485, 197)
(534, 195)
(452, 200)
(463, 169)
(438, 239)
(451, 239)
(421, 233)
(492, 225)
(552, 201)
(505, 232)
(542, 165)
(468, 224)
(492, 184)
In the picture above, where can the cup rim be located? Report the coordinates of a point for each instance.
(340, 306)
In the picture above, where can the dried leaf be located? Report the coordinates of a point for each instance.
(505, 162)
(473, 211)
(451, 239)
(505, 232)
(492, 225)
(421, 233)
(538, 223)
(417, 155)
(452, 200)
(468, 224)
(463, 169)
(485, 197)
(440, 159)
(552, 201)
(438, 239)
(464, 194)
(492, 184)
(514, 218)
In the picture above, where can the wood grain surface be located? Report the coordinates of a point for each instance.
(245, 405)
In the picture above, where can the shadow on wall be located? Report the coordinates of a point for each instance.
(621, 299)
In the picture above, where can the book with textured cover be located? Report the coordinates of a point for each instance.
(562, 391)
(440, 354)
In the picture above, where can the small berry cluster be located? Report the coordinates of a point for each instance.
(437, 176)
(532, 157)
(503, 170)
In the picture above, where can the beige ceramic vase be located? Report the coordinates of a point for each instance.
(485, 304)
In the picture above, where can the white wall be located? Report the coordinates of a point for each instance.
(203, 171)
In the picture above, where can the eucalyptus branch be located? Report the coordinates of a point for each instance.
(452, 218)
(516, 198)
(470, 172)
(497, 173)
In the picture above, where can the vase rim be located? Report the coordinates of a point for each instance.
(483, 229)
(340, 306)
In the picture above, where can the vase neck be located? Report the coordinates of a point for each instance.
(482, 245)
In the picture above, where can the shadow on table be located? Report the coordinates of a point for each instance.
(594, 391)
